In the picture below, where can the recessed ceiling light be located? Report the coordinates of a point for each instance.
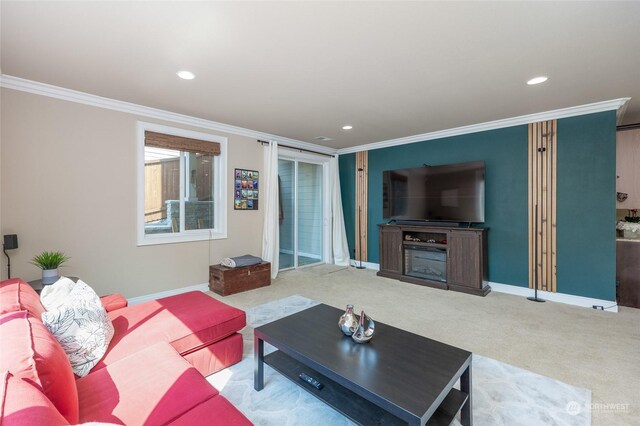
(537, 80)
(186, 75)
(347, 127)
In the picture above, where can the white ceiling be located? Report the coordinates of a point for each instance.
(304, 69)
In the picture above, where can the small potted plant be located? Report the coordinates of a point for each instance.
(49, 261)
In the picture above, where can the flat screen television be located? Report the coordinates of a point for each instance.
(448, 193)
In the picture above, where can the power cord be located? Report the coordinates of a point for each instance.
(602, 308)
(8, 262)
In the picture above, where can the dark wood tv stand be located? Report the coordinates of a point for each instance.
(449, 258)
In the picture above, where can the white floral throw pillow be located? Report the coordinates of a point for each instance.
(76, 318)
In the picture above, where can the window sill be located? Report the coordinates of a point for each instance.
(184, 237)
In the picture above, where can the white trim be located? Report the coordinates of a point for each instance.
(220, 181)
(569, 299)
(141, 299)
(30, 86)
(614, 104)
(367, 265)
(621, 111)
(181, 193)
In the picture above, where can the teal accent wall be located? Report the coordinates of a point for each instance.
(504, 152)
(586, 197)
(347, 167)
(585, 192)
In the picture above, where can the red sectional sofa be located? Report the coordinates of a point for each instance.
(151, 374)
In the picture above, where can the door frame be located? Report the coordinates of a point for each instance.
(298, 156)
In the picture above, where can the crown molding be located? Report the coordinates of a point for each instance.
(43, 89)
(621, 110)
(615, 104)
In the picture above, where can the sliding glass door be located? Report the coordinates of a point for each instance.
(287, 188)
(301, 213)
(309, 213)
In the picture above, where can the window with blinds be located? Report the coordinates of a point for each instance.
(182, 187)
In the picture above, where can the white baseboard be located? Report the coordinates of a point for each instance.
(569, 299)
(154, 296)
(367, 265)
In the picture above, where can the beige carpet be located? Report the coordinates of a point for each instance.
(582, 347)
(503, 395)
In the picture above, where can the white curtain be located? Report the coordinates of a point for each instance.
(338, 233)
(270, 233)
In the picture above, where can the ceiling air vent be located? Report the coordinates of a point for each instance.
(322, 139)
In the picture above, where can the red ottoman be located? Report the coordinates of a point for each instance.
(201, 329)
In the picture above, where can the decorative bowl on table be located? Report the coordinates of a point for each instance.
(365, 329)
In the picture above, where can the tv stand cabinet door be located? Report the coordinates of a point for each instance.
(391, 250)
(465, 259)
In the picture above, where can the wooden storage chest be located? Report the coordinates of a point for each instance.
(225, 281)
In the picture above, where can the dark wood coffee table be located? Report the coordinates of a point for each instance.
(396, 378)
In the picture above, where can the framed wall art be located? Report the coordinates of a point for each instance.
(246, 189)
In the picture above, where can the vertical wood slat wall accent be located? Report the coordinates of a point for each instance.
(362, 181)
(542, 199)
